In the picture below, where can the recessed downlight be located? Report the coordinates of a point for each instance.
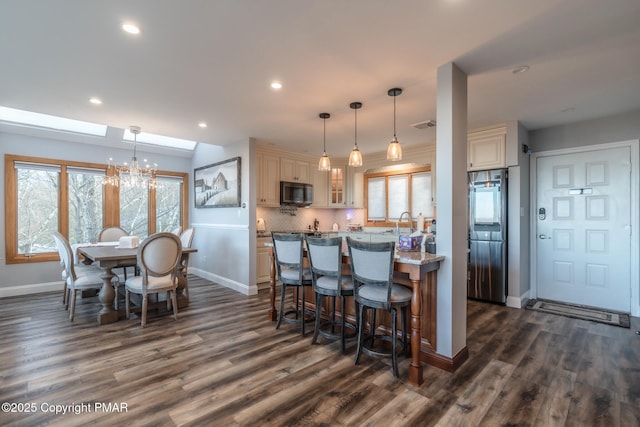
(95, 100)
(276, 85)
(131, 28)
(202, 125)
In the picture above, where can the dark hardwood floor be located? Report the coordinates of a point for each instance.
(223, 363)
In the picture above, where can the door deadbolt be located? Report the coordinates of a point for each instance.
(542, 214)
(544, 237)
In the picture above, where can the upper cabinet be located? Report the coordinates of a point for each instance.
(268, 180)
(337, 186)
(295, 170)
(355, 188)
(487, 149)
(320, 189)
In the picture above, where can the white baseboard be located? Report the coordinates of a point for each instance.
(518, 302)
(37, 288)
(236, 286)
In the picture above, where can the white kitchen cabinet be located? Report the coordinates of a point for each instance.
(337, 186)
(355, 188)
(263, 259)
(486, 149)
(268, 180)
(294, 170)
(320, 189)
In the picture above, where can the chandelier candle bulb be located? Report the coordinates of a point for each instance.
(134, 174)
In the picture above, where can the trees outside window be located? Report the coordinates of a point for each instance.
(47, 195)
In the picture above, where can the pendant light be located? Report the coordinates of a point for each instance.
(355, 158)
(394, 152)
(324, 164)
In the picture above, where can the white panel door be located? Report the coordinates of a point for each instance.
(583, 228)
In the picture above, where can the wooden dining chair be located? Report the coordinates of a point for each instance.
(158, 258)
(186, 237)
(113, 234)
(74, 280)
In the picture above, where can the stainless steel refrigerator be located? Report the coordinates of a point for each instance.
(487, 266)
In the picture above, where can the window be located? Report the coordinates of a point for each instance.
(391, 192)
(37, 207)
(168, 197)
(47, 195)
(134, 210)
(86, 206)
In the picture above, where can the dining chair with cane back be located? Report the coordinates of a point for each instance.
(158, 258)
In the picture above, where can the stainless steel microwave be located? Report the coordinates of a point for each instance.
(296, 193)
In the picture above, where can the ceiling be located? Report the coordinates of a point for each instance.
(213, 61)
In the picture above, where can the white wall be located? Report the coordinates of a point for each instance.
(621, 127)
(518, 216)
(16, 279)
(226, 237)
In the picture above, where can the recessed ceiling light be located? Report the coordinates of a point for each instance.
(131, 28)
(95, 100)
(521, 69)
(276, 85)
(202, 125)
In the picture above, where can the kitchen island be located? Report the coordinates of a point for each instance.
(417, 270)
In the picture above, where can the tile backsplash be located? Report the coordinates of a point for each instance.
(304, 217)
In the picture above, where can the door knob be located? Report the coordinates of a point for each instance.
(544, 237)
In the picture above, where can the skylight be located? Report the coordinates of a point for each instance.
(164, 141)
(51, 122)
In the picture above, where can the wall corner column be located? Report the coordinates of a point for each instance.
(451, 184)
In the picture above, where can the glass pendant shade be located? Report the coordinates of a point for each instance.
(355, 158)
(394, 152)
(324, 165)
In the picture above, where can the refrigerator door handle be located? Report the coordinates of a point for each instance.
(544, 237)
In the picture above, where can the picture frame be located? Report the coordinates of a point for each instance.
(217, 185)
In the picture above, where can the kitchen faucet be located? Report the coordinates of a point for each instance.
(408, 219)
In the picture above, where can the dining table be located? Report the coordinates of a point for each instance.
(420, 268)
(108, 257)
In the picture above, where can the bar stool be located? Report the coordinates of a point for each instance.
(325, 258)
(289, 250)
(372, 272)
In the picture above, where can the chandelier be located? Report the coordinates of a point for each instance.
(131, 174)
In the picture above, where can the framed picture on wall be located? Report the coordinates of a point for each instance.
(217, 185)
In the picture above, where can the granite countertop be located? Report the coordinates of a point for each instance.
(406, 257)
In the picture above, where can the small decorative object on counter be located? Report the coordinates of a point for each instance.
(433, 226)
(409, 243)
